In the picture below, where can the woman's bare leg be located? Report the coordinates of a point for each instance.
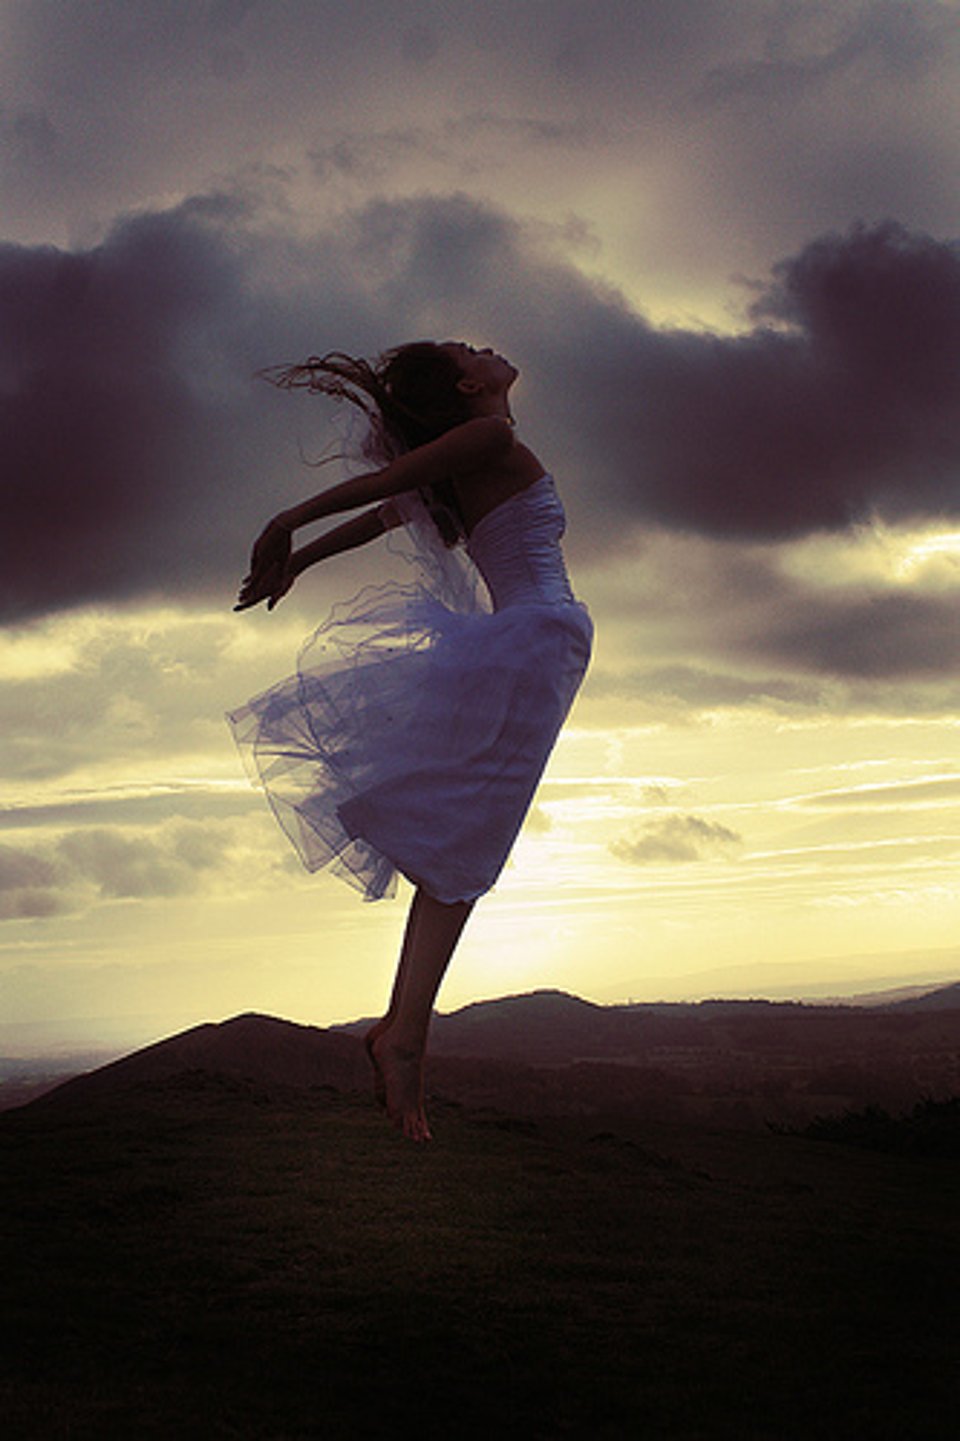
(386, 1021)
(400, 1044)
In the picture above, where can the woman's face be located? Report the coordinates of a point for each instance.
(484, 368)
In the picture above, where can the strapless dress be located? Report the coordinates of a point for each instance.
(413, 736)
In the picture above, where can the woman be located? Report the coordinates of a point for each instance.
(419, 723)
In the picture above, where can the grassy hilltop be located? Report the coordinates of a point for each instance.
(199, 1254)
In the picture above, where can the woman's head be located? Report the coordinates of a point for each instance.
(411, 394)
(484, 374)
(422, 384)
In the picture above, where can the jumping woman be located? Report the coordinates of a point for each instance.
(421, 717)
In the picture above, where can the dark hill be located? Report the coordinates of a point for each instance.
(259, 1050)
(945, 998)
(542, 1028)
(268, 1057)
(549, 1028)
(547, 1053)
(184, 1258)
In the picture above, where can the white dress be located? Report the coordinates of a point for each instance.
(414, 734)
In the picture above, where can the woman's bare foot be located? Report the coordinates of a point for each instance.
(379, 1084)
(402, 1072)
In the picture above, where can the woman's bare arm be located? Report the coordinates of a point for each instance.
(469, 448)
(272, 584)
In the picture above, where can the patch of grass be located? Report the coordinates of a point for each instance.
(930, 1129)
(210, 1264)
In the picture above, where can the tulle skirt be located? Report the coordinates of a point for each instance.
(412, 737)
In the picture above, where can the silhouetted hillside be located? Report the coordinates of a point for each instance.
(260, 1050)
(946, 998)
(268, 1057)
(550, 1028)
(740, 1063)
(722, 1057)
(22, 1079)
(188, 1253)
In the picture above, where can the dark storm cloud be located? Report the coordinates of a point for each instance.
(878, 636)
(110, 443)
(866, 634)
(138, 453)
(28, 137)
(815, 641)
(845, 404)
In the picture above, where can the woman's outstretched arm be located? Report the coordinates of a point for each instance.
(468, 448)
(272, 583)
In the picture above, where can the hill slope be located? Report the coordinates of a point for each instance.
(199, 1259)
(249, 1047)
(945, 998)
(730, 1062)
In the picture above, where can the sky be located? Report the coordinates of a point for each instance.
(720, 241)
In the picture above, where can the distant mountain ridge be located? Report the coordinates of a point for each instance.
(944, 998)
(548, 1052)
(553, 1027)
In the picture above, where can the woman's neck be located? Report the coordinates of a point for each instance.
(487, 404)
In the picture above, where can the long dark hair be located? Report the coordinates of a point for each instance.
(409, 395)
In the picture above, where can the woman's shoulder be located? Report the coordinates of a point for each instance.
(480, 494)
(478, 447)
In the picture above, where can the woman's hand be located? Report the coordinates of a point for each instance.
(270, 576)
(272, 588)
(274, 567)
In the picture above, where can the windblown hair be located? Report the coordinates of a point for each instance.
(409, 396)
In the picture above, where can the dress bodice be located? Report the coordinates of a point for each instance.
(516, 548)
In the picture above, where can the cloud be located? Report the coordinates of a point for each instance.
(139, 694)
(459, 148)
(699, 690)
(29, 137)
(141, 804)
(123, 866)
(841, 405)
(828, 627)
(864, 635)
(112, 443)
(675, 839)
(699, 140)
(27, 883)
(937, 791)
(85, 866)
(140, 452)
(751, 608)
(805, 54)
